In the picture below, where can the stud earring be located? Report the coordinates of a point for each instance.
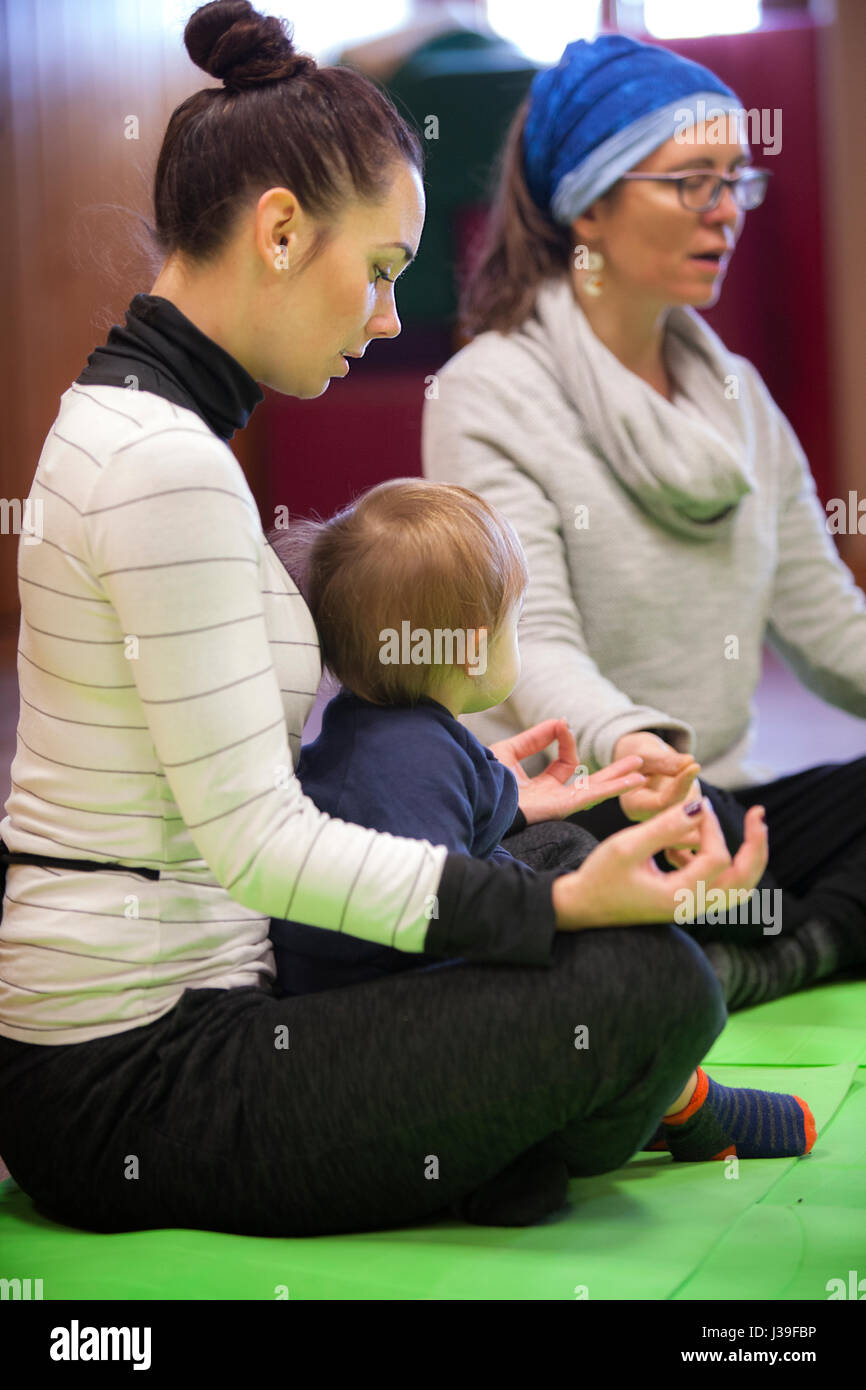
(594, 283)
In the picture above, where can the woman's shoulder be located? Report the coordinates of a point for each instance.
(492, 358)
(115, 417)
(100, 431)
(108, 446)
(736, 371)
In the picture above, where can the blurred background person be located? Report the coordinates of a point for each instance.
(459, 82)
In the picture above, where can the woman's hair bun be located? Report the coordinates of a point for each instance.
(232, 41)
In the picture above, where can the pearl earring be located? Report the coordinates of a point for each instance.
(594, 284)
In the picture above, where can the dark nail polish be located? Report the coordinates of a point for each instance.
(693, 808)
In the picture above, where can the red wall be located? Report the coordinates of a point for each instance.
(773, 307)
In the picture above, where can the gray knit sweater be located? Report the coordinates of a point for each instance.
(666, 540)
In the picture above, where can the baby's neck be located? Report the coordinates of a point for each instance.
(453, 700)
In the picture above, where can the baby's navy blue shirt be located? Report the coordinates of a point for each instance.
(414, 771)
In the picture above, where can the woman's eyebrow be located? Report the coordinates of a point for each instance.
(706, 163)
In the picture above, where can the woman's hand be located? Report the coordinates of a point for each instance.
(620, 884)
(545, 796)
(670, 776)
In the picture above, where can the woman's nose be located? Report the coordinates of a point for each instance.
(385, 322)
(384, 325)
(726, 210)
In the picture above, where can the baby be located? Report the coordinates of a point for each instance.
(416, 590)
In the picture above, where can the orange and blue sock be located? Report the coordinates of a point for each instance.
(727, 1121)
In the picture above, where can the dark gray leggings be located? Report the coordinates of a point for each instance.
(368, 1107)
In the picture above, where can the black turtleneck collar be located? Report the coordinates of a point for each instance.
(170, 357)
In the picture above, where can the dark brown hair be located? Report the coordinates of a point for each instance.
(433, 554)
(521, 246)
(329, 134)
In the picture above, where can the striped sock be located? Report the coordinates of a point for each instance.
(724, 1121)
(781, 965)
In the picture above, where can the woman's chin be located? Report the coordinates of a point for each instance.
(301, 389)
(309, 390)
(700, 296)
(711, 298)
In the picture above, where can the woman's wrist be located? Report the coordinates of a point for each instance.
(635, 734)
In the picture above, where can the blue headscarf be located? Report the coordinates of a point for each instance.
(603, 108)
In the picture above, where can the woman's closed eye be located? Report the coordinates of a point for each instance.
(382, 273)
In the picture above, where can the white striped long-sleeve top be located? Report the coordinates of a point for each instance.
(167, 666)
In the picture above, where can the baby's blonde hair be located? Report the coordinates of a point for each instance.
(433, 554)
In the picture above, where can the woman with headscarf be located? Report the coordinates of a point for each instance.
(666, 509)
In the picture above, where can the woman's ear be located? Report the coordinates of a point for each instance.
(585, 228)
(278, 219)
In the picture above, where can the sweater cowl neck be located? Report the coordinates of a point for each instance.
(687, 462)
(163, 352)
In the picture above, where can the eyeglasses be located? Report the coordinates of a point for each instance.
(700, 192)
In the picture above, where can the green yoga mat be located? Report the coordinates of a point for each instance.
(813, 1220)
(655, 1229)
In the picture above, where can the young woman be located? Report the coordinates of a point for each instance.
(662, 499)
(149, 1075)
